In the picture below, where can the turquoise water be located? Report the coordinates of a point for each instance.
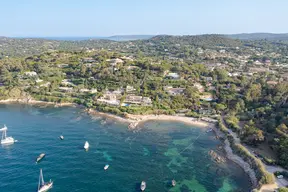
(157, 153)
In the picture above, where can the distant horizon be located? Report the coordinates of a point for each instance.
(127, 35)
(34, 18)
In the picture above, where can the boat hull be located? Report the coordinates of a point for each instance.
(40, 158)
(143, 186)
(46, 187)
(86, 146)
(8, 141)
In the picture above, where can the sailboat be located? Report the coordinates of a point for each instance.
(42, 186)
(6, 140)
(86, 146)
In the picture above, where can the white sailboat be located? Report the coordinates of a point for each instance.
(42, 186)
(86, 145)
(6, 140)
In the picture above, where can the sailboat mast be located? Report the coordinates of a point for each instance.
(39, 180)
(4, 135)
(42, 178)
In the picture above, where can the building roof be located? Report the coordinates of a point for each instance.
(173, 75)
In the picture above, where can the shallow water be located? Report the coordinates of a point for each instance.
(157, 153)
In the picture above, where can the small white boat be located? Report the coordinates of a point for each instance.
(209, 130)
(42, 186)
(173, 182)
(61, 137)
(143, 186)
(106, 167)
(6, 140)
(86, 145)
(40, 157)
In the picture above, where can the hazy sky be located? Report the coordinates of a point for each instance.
(126, 17)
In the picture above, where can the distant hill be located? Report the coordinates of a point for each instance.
(128, 37)
(112, 38)
(198, 40)
(259, 36)
(30, 46)
(145, 43)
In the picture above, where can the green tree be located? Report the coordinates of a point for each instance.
(283, 151)
(282, 130)
(253, 92)
(251, 134)
(220, 107)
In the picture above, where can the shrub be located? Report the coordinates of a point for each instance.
(232, 122)
(222, 127)
(192, 114)
(283, 189)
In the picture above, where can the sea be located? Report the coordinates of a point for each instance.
(156, 152)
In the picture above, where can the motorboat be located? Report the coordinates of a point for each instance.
(42, 186)
(173, 183)
(106, 167)
(40, 157)
(61, 137)
(6, 140)
(86, 145)
(143, 186)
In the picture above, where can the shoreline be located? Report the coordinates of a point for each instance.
(135, 120)
(132, 120)
(237, 159)
(35, 102)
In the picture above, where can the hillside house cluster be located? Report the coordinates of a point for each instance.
(114, 62)
(173, 76)
(30, 73)
(174, 91)
(139, 100)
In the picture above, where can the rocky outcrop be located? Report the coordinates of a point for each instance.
(216, 157)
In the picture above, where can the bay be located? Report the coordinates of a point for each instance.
(157, 153)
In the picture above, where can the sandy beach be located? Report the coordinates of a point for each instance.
(135, 120)
(188, 120)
